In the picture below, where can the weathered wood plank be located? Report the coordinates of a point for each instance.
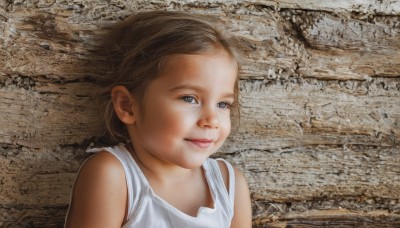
(58, 39)
(346, 48)
(41, 119)
(338, 218)
(297, 184)
(290, 114)
(32, 217)
(322, 172)
(36, 184)
(37, 177)
(280, 114)
(361, 6)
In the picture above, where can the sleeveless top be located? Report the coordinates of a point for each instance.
(146, 209)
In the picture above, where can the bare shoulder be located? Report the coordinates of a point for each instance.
(242, 212)
(100, 193)
(242, 215)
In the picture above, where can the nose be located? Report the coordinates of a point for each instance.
(208, 118)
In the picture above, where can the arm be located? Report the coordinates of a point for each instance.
(242, 214)
(100, 194)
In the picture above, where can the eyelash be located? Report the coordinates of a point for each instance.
(185, 99)
(227, 105)
(190, 99)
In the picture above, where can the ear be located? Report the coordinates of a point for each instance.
(123, 103)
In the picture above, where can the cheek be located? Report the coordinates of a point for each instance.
(225, 126)
(166, 121)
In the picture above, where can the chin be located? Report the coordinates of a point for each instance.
(193, 164)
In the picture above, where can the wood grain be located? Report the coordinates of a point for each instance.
(319, 137)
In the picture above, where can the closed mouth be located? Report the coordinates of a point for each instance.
(201, 143)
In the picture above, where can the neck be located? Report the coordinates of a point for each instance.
(156, 169)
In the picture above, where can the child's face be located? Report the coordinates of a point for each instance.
(186, 109)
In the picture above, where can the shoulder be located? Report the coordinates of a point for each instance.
(242, 205)
(242, 211)
(102, 169)
(239, 177)
(104, 163)
(100, 193)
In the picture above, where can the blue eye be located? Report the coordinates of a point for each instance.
(224, 105)
(189, 99)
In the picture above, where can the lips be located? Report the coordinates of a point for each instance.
(201, 143)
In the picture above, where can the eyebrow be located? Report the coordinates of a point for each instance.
(198, 88)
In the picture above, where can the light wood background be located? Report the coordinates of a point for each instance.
(320, 93)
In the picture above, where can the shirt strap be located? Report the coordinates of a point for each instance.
(231, 180)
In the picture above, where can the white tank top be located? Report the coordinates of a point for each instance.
(146, 209)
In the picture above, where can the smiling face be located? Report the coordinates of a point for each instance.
(186, 115)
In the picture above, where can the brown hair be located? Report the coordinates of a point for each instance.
(136, 46)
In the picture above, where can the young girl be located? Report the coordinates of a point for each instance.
(172, 89)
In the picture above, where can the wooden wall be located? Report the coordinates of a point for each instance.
(320, 93)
